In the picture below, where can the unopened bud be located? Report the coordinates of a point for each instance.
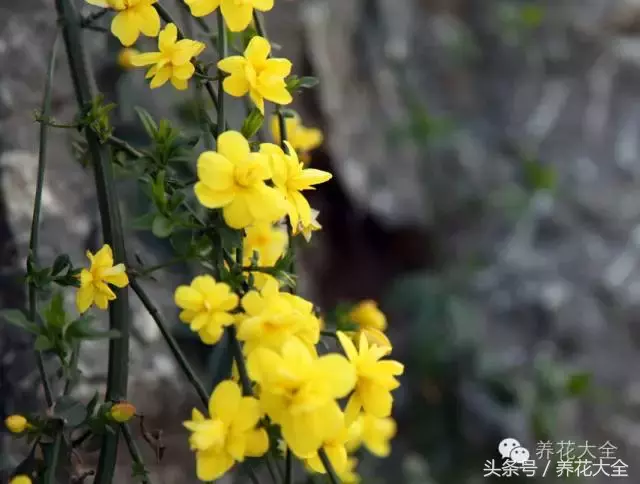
(122, 412)
(16, 423)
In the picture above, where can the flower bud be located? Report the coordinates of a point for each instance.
(16, 423)
(124, 58)
(21, 479)
(122, 412)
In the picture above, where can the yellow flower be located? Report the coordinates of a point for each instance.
(124, 58)
(233, 179)
(374, 432)
(270, 242)
(172, 62)
(256, 74)
(21, 479)
(122, 412)
(349, 475)
(16, 424)
(298, 392)
(290, 177)
(371, 322)
(307, 230)
(133, 17)
(375, 378)
(334, 447)
(229, 434)
(206, 306)
(302, 139)
(237, 13)
(94, 281)
(272, 317)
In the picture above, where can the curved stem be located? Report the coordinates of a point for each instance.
(37, 208)
(84, 87)
(222, 52)
(173, 344)
(136, 457)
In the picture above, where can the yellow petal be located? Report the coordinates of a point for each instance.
(276, 93)
(161, 77)
(309, 177)
(308, 138)
(187, 297)
(146, 58)
(212, 198)
(236, 214)
(248, 414)
(348, 346)
(302, 207)
(263, 5)
(124, 27)
(252, 303)
(233, 64)
(278, 68)
(265, 203)
(237, 17)
(116, 275)
(167, 38)
(352, 410)
(236, 85)
(257, 443)
(84, 299)
(215, 171)
(148, 20)
(258, 51)
(211, 464)
(179, 84)
(233, 146)
(184, 71)
(257, 99)
(337, 370)
(200, 8)
(224, 401)
(98, 3)
(375, 400)
(104, 257)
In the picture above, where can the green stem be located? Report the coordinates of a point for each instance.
(73, 368)
(260, 28)
(52, 460)
(222, 52)
(157, 267)
(124, 146)
(283, 138)
(136, 457)
(84, 87)
(89, 19)
(37, 208)
(333, 477)
(288, 477)
(173, 344)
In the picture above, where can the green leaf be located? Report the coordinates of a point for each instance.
(17, 318)
(149, 124)
(61, 263)
(158, 191)
(162, 227)
(539, 176)
(43, 343)
(72, 411)
(308, 82)
(54, 314)
(82, 328)
(181, 241)
(578, 383)
(252, 123)
(144, 222)
(91, 406)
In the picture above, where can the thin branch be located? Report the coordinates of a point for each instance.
(173, 344)
(136, 457)
(288, 477)
(89, 19)
(37, 208)
(84, 87)
(222, 52)
(52, 460)
(124, 146)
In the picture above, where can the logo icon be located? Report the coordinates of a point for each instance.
(511, 449)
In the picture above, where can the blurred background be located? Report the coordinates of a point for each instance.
(486, 193)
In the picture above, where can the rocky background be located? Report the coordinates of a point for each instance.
(486, 191)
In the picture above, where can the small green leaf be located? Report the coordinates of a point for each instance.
(72, 411)
(91, 406)
(181, 241)
(308, 82)
(43, 343)
(17, 318)
(82, 328)
(540, 176)
(252, 123)
(158, 191)
(162, 227)
(54, 314)
(149, 124)
(578, 383)
(61, 263)
(144, 222)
